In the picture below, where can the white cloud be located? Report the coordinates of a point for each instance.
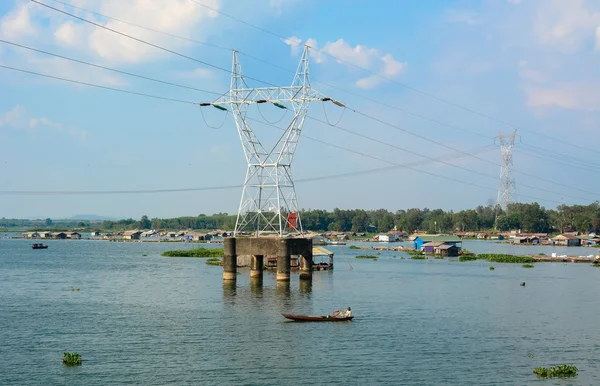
(572, 96)
(179, 17)
(18, 118)
(14, 117)
(565, 24)
(514, 1)
(353, 56)
(294, 43)
(18, 23)
(391, 66)
(66, 33)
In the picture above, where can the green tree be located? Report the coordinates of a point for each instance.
(145, 223)
(49, 222)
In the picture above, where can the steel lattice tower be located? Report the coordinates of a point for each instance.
(268, 203)
(506, 189)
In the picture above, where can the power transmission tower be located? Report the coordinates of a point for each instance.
(268, 203)
(506, 189)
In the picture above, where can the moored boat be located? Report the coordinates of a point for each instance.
(316, 318)
(38, 246)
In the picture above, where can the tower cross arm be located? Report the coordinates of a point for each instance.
(270, 95)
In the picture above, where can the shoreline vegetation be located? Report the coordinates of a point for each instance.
(529, 217)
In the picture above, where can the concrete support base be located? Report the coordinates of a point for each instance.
(258, 248)
(229, 259)
(283, 262)
(256, 266)
(306, 263)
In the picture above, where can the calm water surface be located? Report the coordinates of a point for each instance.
(153, 320)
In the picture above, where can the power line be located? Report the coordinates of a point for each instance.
(185, 56)
(97, 85)
(544, 152)
(144, 41)
(142, 27)
(466, 153)
(363, 154)
(189, 102)
(278, 67)
(404, 85)
(434, 174)
(108, 68)
(462, 152)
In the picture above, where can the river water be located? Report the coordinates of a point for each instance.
(153, 320)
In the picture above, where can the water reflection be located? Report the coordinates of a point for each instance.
(229, 288)
(256, 286)
(305, 287)
(283, 289)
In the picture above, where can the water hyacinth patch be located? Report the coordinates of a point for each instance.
(562, 371)
(196, 252)
(72, 359)
(503, 258)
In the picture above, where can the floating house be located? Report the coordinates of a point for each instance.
(447, 250)
(387, 238)
(132, 235)
(526, 240)
(419, 240)
(567, 239)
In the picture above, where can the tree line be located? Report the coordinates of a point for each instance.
(528, 217)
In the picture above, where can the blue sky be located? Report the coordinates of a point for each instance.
(525, 63)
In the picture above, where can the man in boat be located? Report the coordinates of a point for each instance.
(342, 314)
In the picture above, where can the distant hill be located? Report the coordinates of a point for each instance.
(92, 217)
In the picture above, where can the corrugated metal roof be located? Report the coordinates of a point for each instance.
(441, 238)
(321, 251)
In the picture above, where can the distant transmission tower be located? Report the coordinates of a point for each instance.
(506, 189)
(268, 203)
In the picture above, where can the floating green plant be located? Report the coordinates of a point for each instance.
(561, 371)
(196, 252)
(74, 288)
(492, 268)
(366, 257)
(528, 265)
(595, 264)
(502, 258)
(72, 359)
(213, 261)
(354, 247)
(143, 254)
(530, 355)
(418, 257)
(467, 258)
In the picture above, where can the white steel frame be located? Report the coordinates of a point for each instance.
(506, 190)
(269, 194)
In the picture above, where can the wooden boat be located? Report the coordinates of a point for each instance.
(38, 246)
(315, 318)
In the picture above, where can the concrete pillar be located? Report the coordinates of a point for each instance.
(306, 263)
(229, 259)
(283, 260)
(257, 266)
